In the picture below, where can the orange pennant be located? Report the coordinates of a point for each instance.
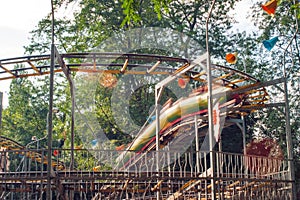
(270, 7)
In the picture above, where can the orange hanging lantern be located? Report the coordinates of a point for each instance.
(108, 80)
(270, 7)
(231, 58)
(182, 82)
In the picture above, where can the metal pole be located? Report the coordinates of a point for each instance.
(210, 109)
(49, 120)
(197, 151)
(72, 124)
(49, 128)
(244, 131)
(72, 92)
(157, 112)
(197, 144)
(289, 141)
(1, 107)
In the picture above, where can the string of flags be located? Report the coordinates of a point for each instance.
(270, 9)
(269, 44)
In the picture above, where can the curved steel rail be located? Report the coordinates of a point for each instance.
(17, 148)
(253, 92)
(142, 64)
(36, 65)
(118, 63)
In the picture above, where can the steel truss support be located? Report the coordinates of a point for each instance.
(72, 92)
(210, 107)
(286, 113)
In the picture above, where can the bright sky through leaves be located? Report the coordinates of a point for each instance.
(18, 18)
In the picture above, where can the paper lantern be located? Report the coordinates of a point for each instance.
(269, 44)
(231, 58)
(108, 80)
(270, 7)
(55, 152)
(182, 82)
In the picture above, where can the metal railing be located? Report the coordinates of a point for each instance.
(100, 174)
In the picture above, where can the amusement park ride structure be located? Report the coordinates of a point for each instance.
(143, 170)
(139, 173)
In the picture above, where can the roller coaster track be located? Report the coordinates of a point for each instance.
(140, 64)
(251, 91)
(9, 144)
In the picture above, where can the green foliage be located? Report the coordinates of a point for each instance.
(23, 118)
(272, 64)
(132, 9)
(26, 115)
(97, 20)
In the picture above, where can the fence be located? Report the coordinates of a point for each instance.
(170, 175)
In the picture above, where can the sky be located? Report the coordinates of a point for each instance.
(19, 17)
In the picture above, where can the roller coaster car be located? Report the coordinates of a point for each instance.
(175, 116)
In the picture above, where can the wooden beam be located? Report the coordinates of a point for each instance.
(117, 71)
(87, 71)
(8, 71)
(224, 76)
(34, 67)
(198, 75)
(156, 187)
(153, 67)
(257, 85)
(124, 66)
(183, 69)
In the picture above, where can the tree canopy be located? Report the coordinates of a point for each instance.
(99, 25)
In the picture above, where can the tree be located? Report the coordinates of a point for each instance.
(96, 21)
(270, 65)
(284, 57)
(26, 115)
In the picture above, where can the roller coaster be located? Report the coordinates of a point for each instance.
(133, 174)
